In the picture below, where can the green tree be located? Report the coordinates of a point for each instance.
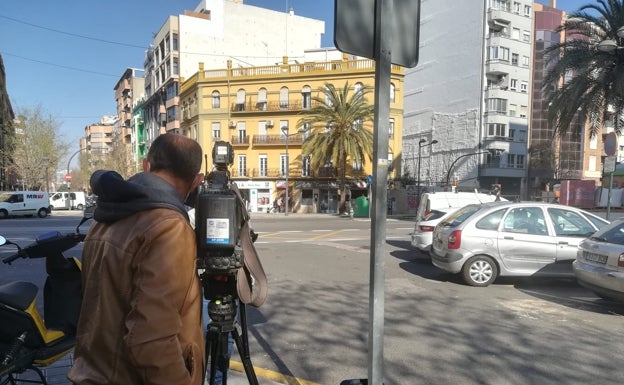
(36, 147)
(338, 130)
(594, 79)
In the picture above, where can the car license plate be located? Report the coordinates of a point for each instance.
(593, 257)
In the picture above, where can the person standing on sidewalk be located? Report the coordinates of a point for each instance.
(140, 321)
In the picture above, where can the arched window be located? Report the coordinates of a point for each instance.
(358, 87)
(240, 100)
(306, 97)
(262, 99)
(284, 98)
(216, 99)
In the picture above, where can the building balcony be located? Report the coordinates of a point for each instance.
(277, 140)
(240, 141)
(271, 106)
(497, 67)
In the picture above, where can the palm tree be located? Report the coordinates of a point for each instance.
(338, 130)
(597, 77)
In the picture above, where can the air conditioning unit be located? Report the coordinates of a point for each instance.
(269, 123)
(232, 124)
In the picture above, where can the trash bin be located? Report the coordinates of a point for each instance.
(361, 207)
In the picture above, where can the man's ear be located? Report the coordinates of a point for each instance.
(198, 179)
(146, 165)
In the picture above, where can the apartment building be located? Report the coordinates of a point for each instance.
(257, 108)
(98, 139)
(7, 179)
(130, 87)
(213, 33)
(471, 93)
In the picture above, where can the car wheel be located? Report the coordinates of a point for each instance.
(42, 213)
(479, 270)
(4, 214)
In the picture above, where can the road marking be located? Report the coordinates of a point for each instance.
(271, 375)
(325, 235)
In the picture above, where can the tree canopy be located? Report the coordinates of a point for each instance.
(582, 80)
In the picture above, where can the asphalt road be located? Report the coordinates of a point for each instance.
(314, 325)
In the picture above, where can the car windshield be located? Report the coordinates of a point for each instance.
(459, 216)
(435, 214)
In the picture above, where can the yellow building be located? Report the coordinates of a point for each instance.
(256, 109)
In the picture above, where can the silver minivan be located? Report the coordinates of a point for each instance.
(489, 240)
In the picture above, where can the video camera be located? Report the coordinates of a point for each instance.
(220, 220)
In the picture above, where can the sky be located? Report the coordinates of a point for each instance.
(67, 55)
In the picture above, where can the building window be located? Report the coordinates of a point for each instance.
(527, 10)
(392, 93)
(523, 111)
(497, 129)
(514, 59)
(262, 99)
(390, 161)
(525, 61)
(216, 130)
(524, 86)
(513, 84)
(263, 165)
(391, 128)
(512, 110)
(172, 90)
(306, 98)
(240, 100)
(356, 165)
(174, 41)
(283, 165)
(593, 142)
(172, 114)
(515, 33)
(592, 163)
(516, 7)
(216, 99)
(306, 165)
(515, 161)
(283, 98)
(242, 165)
(497, 105)
(526, 36)
(242, 132)
(499, 53)
(283, 127)
(176, 66)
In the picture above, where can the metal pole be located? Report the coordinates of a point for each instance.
(287, 168)
(609, 195)
(448, 174)
(383, 66)
(418, 178)
(69, 161)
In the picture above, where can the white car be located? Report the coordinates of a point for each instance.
(423, 230)
(599, 264)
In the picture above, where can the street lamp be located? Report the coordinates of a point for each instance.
(68, 175)
(421, 144)
(448, 174)
(612, 45)
(287, 136)
(46, 161)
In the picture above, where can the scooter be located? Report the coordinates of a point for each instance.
(29, 341)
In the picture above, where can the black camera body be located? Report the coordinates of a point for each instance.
(217, 227)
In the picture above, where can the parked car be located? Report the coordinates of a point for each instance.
(599, 264)
(423, 229)
(483, 242)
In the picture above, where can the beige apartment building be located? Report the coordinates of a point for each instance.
(256, 109)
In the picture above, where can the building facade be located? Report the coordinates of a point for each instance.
(213, 33)
(471, 93)
(7, 179)
(257, 109)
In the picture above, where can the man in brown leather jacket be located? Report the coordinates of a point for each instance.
(140, 321)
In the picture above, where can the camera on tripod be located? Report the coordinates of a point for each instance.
(223, 238)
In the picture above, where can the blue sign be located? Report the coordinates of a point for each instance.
(369, 180)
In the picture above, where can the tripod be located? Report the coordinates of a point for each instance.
(217, 334)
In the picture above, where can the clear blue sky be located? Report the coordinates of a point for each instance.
(68, 55)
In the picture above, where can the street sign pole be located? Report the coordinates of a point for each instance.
(383, 66)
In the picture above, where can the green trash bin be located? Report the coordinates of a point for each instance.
(361, 207)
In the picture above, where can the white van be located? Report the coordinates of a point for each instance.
(65, 200)
(445, 200)
(25, 203)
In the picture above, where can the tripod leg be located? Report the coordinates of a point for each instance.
(244, 353)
